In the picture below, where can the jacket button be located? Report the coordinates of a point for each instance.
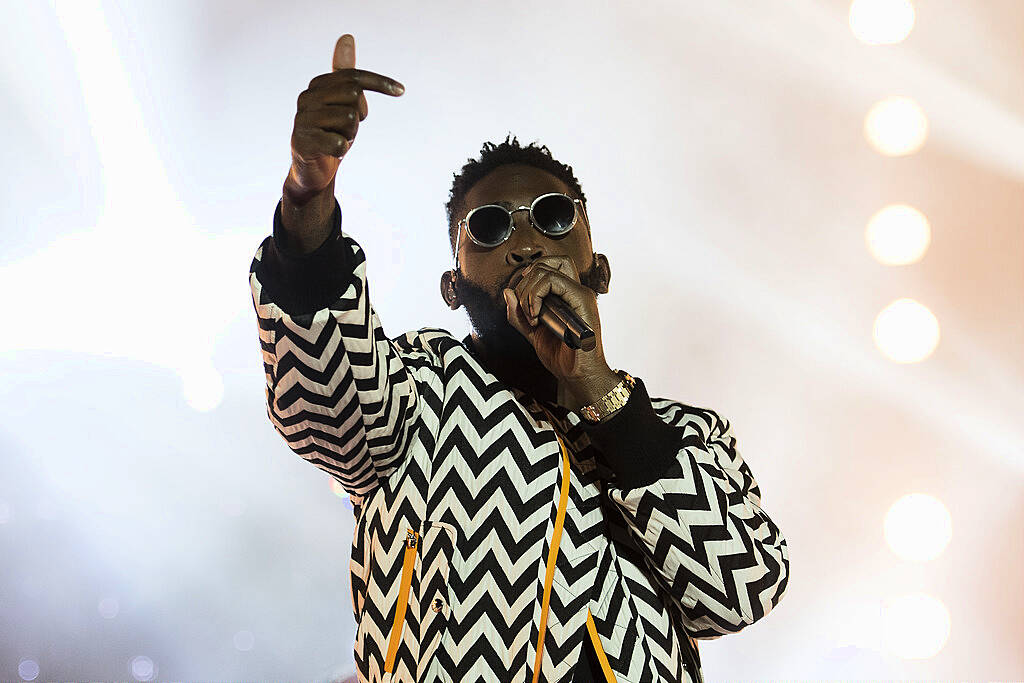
(437, 605)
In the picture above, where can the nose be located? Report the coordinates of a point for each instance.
(525, 244)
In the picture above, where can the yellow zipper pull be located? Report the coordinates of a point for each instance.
(410, 539)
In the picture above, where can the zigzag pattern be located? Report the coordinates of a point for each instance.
(425, 439)
(703, 533)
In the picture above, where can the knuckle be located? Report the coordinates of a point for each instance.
(321, 80)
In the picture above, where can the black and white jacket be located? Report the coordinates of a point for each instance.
(495, 532)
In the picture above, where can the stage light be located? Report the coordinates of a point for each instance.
(108, 608)
(28, 670)
(244, 640)
(898, 235)
(896, 126)
(918, 527)
(143, 668)
(881, 22)
(906, 331)
(915, 626)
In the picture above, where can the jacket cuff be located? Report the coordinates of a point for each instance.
(636, 444)
(305, 283)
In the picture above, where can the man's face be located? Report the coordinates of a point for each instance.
(485, 272)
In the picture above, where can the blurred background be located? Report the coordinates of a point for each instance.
(813, 211)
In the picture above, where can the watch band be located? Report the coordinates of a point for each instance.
(610, 402)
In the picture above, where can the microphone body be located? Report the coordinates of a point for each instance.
(556, 315)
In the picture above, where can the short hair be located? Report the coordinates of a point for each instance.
(492, 156)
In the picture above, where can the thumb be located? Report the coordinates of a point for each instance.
(345, 53)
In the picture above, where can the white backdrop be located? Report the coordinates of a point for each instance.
(154, 526)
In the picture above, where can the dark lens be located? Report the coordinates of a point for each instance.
(489, 224)
(554, 214)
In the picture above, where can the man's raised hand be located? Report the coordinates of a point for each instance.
(328, 116)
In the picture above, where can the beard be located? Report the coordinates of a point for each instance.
(487, 315)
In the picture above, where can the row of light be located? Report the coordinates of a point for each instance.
(142, 668)
(905, 331)
(917, 527)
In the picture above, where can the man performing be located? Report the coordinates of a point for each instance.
(523, 511)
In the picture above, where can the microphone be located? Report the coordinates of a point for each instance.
(557, 316)
(563, 321)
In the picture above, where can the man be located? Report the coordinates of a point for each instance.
(523, 511)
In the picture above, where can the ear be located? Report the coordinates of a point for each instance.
(451, 298)
(602, 274)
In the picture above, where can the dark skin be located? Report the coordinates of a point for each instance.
(507, 336)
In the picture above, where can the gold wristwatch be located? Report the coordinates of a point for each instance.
(610, 402)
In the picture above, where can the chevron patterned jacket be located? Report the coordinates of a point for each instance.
(495, 533)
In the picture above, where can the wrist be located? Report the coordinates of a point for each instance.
(592, 386)
(611, 403)
(299, 196)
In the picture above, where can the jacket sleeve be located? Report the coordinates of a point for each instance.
(337, 389)
(693, 508)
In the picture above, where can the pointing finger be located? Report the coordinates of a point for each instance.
(345, 59)
(368, 80)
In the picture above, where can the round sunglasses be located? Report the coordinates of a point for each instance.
(553, 214)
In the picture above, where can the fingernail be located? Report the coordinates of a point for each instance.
(398, 88)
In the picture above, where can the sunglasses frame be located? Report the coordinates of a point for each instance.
(464, 223)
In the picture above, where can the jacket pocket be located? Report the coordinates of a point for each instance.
(437, 551)
(412, 539)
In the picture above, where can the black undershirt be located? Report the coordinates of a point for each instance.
(588, 669)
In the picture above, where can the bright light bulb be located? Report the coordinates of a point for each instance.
(906, 331)
(915, 626)
(896, 126)
(244, 640)
(918, 527)
(108, 607)
(28, 669)
(898, 235)
(143, 668)
(881, 22)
